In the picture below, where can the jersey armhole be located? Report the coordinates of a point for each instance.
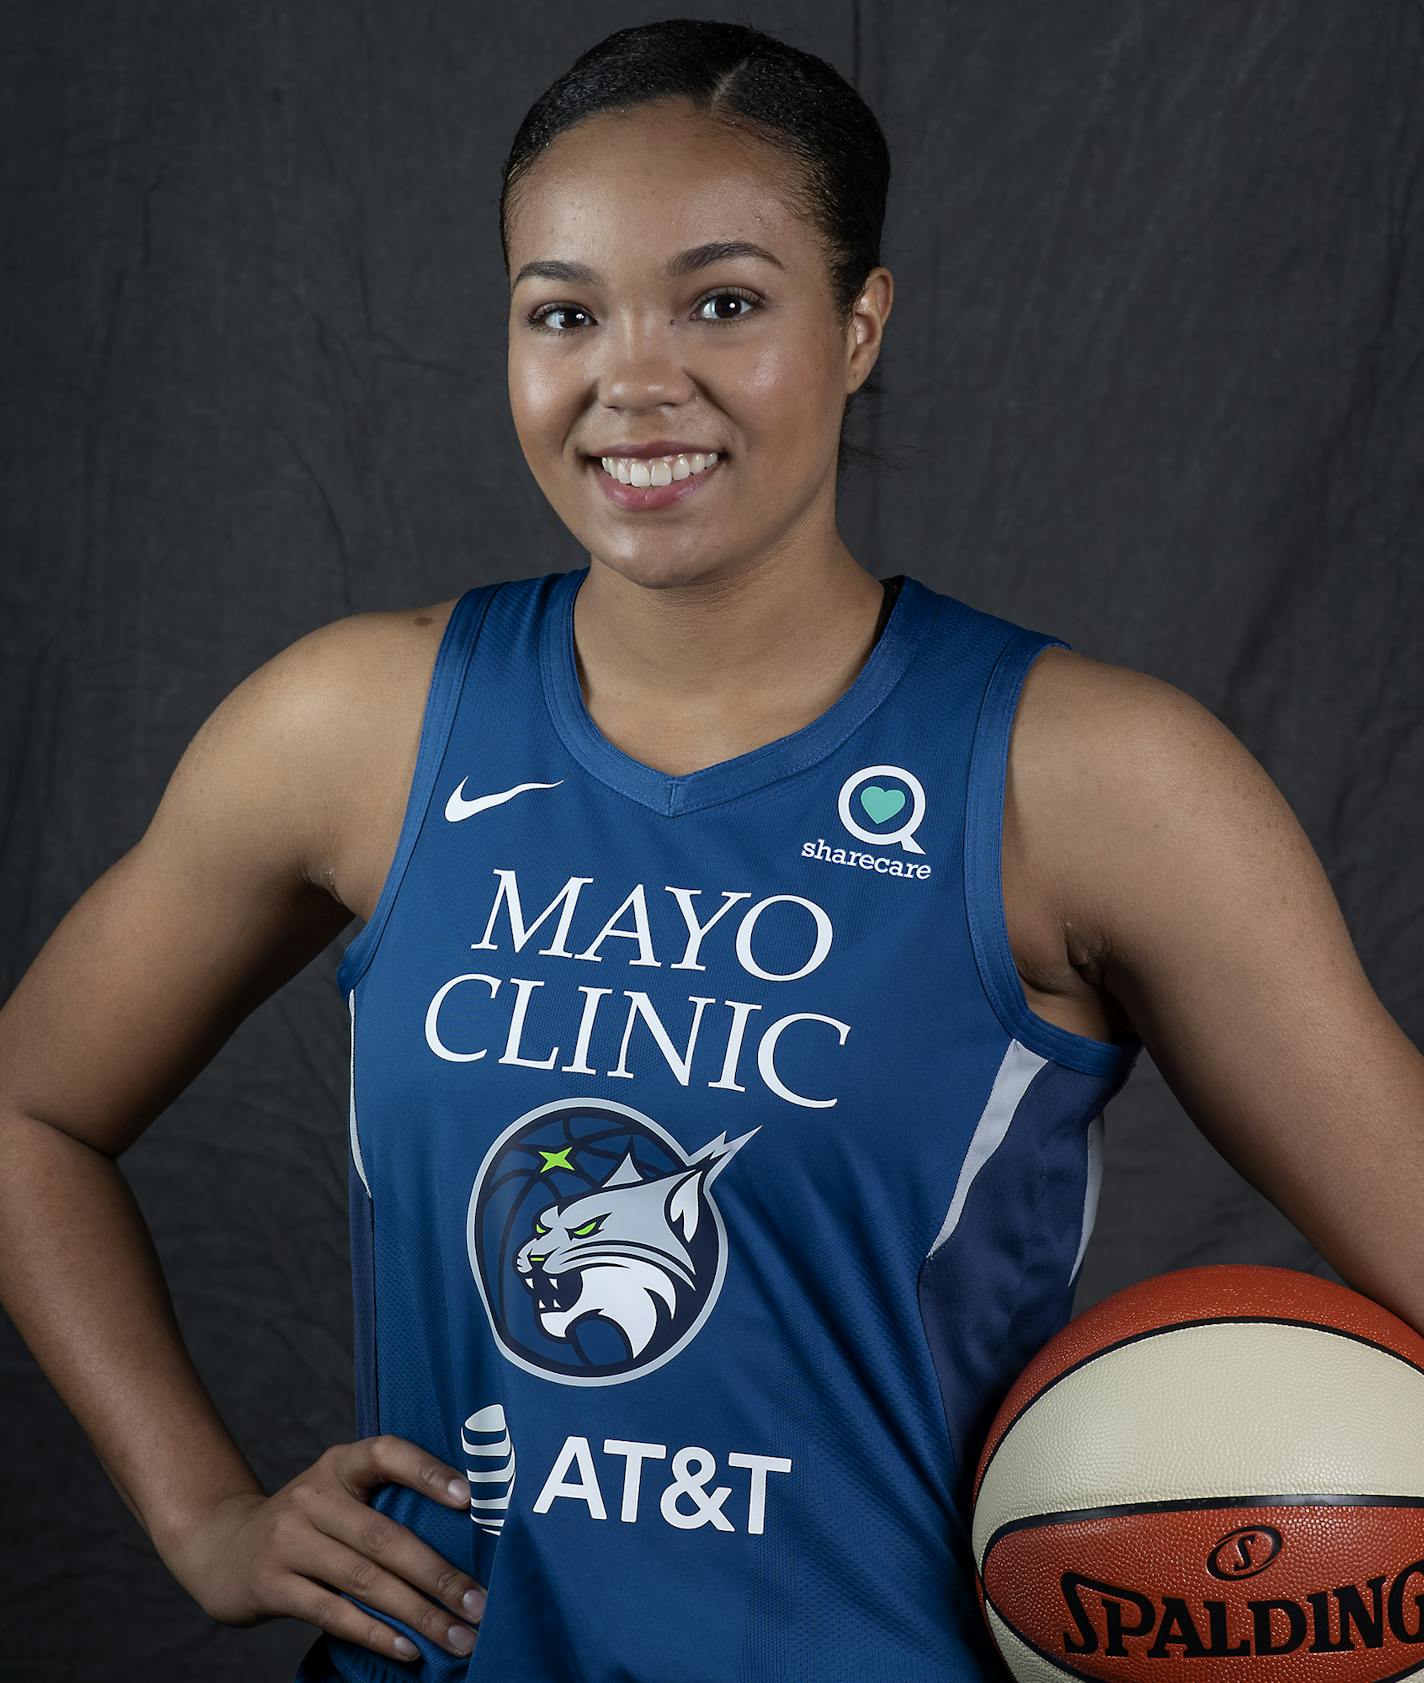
(983, 874)
(452, 659)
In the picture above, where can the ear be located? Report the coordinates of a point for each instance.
(865, 331)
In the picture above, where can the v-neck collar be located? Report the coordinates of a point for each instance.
(671, 795)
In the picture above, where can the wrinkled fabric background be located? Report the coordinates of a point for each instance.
(1152, 384)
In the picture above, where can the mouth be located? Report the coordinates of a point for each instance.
(645, 498)
(556, 1297)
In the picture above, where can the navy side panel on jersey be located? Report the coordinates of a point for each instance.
(710, 1179)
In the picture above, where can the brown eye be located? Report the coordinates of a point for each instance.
(735, 293)
(539, 316)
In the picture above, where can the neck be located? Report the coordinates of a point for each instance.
(761, 645)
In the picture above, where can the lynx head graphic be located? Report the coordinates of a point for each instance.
(621, 1252)
(595, 1242)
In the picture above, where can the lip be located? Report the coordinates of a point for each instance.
(658, 447)
(637, 498)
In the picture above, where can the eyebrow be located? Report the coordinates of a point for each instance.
(684, 263)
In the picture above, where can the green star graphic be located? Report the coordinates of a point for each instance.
(555, 1159)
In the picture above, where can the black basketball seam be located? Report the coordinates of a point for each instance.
(1180, 1326)
(1067, 1516)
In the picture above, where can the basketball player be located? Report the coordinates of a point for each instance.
(751, 946)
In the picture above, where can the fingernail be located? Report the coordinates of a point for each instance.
(407, 1650)
(471, 1604)
(462, 1639)
(459, 1489)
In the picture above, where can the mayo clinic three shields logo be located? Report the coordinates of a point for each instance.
(595, 1242)
(882, 806)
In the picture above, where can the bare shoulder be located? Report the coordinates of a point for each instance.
(1108, 764)
(357, 689)
(285, 746)
(317, 746)
(1091, 709)
(228, 893)
(1086, 727)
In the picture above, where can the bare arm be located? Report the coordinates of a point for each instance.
(1224, 942)
(137, 988)
(169, 951)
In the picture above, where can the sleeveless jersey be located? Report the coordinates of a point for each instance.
(711, 1179)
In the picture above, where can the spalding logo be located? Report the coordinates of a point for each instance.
(1245, 1552)
(594, 1240)
(1382, 1611)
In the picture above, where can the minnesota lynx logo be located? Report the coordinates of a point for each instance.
(594, 1240)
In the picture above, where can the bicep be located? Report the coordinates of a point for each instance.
(157, 963)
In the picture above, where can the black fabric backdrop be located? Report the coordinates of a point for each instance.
(1152, 384)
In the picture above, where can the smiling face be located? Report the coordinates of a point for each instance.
(742, 354)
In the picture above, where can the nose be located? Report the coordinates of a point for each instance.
(642, 368)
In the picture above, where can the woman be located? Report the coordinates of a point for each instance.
(726, 1090)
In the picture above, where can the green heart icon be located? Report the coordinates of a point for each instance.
(881, 803)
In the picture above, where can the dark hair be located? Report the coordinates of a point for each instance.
(739, 76)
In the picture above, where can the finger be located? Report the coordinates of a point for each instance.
(379, 1539)
(328, 1612)
(387, 1459)
(328, 1562)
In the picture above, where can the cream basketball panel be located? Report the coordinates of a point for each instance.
(1283, 1409)
(1027, 1664)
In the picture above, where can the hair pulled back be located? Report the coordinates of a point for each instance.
(755, 84)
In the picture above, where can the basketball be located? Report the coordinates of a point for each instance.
(1216, 1473)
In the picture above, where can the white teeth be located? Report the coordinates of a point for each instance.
(656, 470)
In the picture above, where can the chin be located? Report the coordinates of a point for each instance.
(662, 572)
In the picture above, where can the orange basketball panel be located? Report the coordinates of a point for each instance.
(1325, 1591)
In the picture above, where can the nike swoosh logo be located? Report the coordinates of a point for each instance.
(457, 807)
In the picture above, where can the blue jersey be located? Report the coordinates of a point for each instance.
(711, 1179)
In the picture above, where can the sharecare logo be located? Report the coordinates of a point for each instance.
(870, 796)
(882, 863)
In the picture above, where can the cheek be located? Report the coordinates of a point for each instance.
(790, 371)
(539, 392)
